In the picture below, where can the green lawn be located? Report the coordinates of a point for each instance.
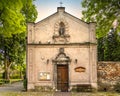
(2, 81)
(51, 94)
(96, 94)
(26, 94)
(15, 80)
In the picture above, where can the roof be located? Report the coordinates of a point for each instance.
(61, 9)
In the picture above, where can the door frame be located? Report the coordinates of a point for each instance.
(60, 59)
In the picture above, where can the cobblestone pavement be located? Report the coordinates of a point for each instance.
(15, 87)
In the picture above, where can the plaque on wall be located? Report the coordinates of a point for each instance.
(80, 69)
(44, 76)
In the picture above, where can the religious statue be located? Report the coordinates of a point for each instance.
(61, 31)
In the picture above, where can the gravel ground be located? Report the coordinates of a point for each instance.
(16, 89)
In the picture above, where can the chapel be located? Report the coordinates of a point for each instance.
(61, 53)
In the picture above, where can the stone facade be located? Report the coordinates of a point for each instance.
(64, 44)
(108, 75)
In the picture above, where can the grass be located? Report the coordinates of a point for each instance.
(15, 80)
(52, 94)
(96, 94)
(2, 81)
(27, 94)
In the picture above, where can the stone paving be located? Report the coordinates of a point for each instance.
(18, 87)
(15, 87)
(62, 94)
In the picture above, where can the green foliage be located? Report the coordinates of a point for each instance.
(29, 10)
(104, 87)
(112, 46)
(14, 15)
(15, 76)
(13, 51)
(2, 81)
(17, 52)
(108, 47)
(100, 48)
(25, 83)
(117, 87)
(104, 13)
(1, 75)
(12, 19)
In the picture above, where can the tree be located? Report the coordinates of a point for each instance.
(103, 12)
(111, 46)
(106, 14)
(16, 54)
(101, 42)
(12, 19)
(14, 15)
(29, 10)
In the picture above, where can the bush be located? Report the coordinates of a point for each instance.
(117, 87)
(7, 81)
(104, 87)
(25, 84)
(1, 75)
(15, 77)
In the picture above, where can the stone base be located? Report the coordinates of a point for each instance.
(84, 87)
(44, 88)
(30, 87)
(94, 86)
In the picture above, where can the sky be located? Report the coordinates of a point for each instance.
(46, 8)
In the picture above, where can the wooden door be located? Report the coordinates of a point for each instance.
(62, 77)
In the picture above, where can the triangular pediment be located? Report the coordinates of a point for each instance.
(64, 13)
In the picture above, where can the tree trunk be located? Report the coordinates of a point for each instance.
(21, 77)
(6, 73)
(7, 77)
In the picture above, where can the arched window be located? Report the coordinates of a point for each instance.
(61, 29)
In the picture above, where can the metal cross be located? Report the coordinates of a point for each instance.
(61, 4)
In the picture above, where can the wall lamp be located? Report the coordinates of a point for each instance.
(76, 61)
(47, 61)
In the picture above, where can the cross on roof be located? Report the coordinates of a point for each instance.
(61, 4)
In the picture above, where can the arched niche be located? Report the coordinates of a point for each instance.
(61, 33)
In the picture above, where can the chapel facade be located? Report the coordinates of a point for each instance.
(61, 53)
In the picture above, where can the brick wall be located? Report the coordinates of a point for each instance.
(108, 75)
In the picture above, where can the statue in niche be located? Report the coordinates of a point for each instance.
(62, 29)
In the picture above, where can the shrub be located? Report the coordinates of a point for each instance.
(25, 84)
(1, 75)
(15, 77)
(104, 87)
(117, 87)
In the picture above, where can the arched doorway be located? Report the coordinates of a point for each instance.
(61, 72)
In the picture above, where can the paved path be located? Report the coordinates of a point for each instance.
(15, 87)
(62, 94)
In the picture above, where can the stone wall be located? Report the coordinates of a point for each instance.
(108, 75)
